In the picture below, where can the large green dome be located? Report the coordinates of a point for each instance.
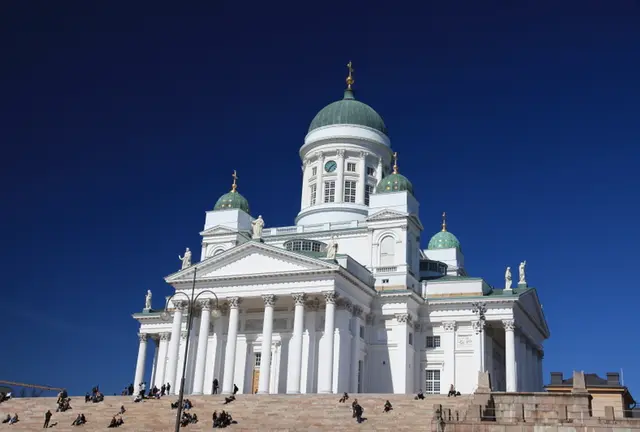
(348, 111)
(443, 240)
(232, 200)
(394, 183)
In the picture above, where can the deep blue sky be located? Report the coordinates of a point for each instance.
(121, 123)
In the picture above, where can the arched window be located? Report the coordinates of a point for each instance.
(218, 252)
(387, 252)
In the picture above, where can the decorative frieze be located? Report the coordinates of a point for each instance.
(363, 155)
(464, 341)
(180, 304)
(340, 153)
(183, 335)
(165, 336)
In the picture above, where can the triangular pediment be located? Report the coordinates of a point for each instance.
(530, 302)
(387, 214)
(249, 260)
(218, 230)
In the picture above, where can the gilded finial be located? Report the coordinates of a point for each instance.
(395, 163)
(350, 79)
(444, 221)
(234, 186)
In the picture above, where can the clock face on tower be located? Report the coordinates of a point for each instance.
(330, 166)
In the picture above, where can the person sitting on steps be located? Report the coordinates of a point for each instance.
(223, 420)
(79, 421)
(453, 392)
(357, 411)
(387, 406)
(229, 399)
(344, 398)
(420, 395)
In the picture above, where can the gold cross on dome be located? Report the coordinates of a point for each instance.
(395, 163)
(350, 79)
(234, 186)
(444, 221)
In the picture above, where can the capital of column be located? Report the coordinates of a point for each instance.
(404, 318)
(234, 302)
(183, 335)
(340, 153)
(165, 336)
(205, 304)
(320, 155)
(344, 304)
(142, 337)
(269, 299)
(449, 326)
(299, 298)
(330, 297)
(356, 311)
(509, 325)
(363, 155)
(478, 326)
(312, 305)
(180, 304)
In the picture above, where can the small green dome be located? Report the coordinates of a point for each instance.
(443, 240)
(232, 200)
(394, 183)
(348, 111)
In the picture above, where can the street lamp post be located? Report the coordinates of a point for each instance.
(191, 301)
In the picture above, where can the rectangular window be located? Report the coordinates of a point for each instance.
(314, 171)
(433, 341)
(329, 191)
(350, 191)
(432, 381)
(371, 171)
(362, 332)
(368, 190)
(257, 360)
(410, 338)
(312, 198)
(351, 167)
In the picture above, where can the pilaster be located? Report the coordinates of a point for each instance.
(449, 348)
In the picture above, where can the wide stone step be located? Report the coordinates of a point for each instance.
(252, 412)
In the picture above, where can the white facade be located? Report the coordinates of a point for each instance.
(384, 316)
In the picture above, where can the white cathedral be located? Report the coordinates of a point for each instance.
(345, 300)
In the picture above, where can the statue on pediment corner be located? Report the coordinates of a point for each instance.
(186, 259)
(147, 300)
(257, 226)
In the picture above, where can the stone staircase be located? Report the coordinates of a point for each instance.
(252, 412)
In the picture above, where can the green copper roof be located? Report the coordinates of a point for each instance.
(394, 183)
(348, 111)
(443, 240)
(232, 200)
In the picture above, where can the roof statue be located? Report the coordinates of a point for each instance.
(257, 226)
(522, 280)
(507, 279)
(186, 259)
(147, 300)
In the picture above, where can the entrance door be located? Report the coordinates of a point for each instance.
(256, 373)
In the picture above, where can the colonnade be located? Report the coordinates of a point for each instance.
(169, 346)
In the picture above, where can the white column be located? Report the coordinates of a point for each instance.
(295, 346)
(232, 340)
(340, 177)
(267, 338)
(355, 347)
(154, 367)
(319, 181)
(325, 362)
(142, 356)
(162, 359)
(478, 348)
(521, 361)
(510, 355)
(379, 176)
(449, 348)
(203, 339)
(540, 371)
(306, 197)
(362, 183)
(174, 345)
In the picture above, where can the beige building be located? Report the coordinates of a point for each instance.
(604, 392)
